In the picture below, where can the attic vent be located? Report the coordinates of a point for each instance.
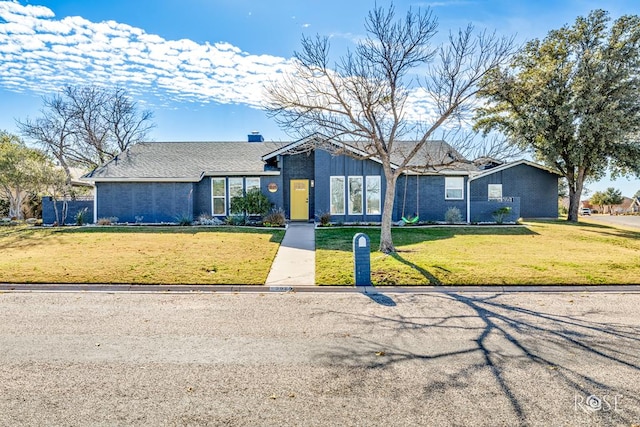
(255, 137)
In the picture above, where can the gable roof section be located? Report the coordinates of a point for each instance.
(433, 152)
(487, 172)
(184, 161)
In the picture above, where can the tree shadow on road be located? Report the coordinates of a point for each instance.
(503, 335)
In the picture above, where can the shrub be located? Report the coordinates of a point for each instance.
(252, 203)
(184, 220)
(108, 221)
(325, 219)
(81, 216)
(4, 208)
(453, 215)
(205, 219)
(275, 218)
(500, 213)
(235, 220)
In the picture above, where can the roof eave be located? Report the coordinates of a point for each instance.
(510, 165)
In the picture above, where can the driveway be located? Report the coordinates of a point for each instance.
(480, 359)
(632, 221)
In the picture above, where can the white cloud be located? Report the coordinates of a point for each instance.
(41, 54)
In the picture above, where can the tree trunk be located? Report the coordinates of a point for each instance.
(386, 241)
(55, 210)
(15, 204)
(576, 184)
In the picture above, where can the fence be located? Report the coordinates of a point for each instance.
(483, 210)
(73, 207)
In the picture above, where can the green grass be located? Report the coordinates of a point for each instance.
(540, 252)
(140, 255)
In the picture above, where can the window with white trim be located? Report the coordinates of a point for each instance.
(336, 190)
(252, 183)
(454, 188)
(372, 191)
(355, 195)
(219, 196)
(494, 191)
(236, 189)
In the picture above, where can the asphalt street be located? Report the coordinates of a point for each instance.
(632, 221)
(310, 359)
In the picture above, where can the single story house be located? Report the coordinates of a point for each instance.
(629, 205)
(155, 182)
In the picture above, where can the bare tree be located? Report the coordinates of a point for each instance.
(85, 127)
(127, 125)
(365, 99)
(88, 126)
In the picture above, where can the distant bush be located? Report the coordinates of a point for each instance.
(108, 221)
(81, 216)
(453, 216)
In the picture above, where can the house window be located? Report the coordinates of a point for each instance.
(355, 195)
(219, 194)
(252, 183)
(336, 188)
(454, 188)
(373, 195)
(495, 191)
(236, 189)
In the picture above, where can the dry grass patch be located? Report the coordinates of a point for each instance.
(540, 252)
(141, 255)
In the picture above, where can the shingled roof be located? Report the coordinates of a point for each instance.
(435, 156)
(190, 161)
(185, 161)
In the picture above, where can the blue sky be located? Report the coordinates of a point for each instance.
(199, 65)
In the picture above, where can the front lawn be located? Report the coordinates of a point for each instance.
(140, 255)
(540, 252)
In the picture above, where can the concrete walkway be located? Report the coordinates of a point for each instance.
(295, 262)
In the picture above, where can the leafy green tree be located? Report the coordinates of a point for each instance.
(599, 198)
(23, 171)
(612, 197)
(573, 99)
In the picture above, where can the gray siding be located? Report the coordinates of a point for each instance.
(153, 201)
(484, 210)
(425, 196)
(536, 188)
(73, 207)
(276, 198)
(326, 166)
(202, 197)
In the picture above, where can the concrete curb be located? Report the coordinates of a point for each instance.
(182, 289)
